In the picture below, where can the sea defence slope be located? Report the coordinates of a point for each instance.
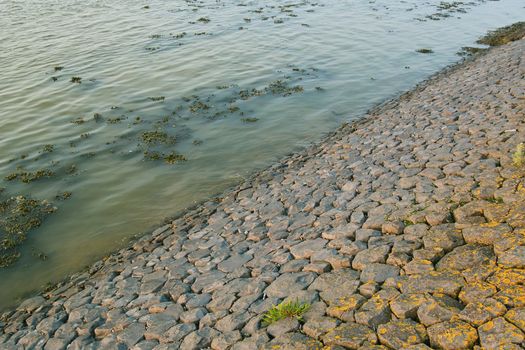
(403, 230)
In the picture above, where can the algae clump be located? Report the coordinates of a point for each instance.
(19, 215)
(504, 35)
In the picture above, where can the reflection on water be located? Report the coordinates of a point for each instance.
(133, 111)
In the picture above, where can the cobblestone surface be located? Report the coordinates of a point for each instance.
(403, 230)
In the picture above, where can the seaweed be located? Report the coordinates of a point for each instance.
(504, 35)
(174, 157)
(77, 80)
(157, 98)
(18, 216)
(27, 176)
(157, 137)
(63, 196)
(425, 50)
(48, 148)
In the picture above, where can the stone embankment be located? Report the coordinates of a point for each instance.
(403, 231)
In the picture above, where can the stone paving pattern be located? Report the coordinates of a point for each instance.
(405, 230)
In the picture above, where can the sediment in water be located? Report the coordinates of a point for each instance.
(405, 229)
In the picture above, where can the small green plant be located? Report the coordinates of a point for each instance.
(285, 310)
(518, 158)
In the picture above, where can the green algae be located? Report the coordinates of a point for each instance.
(18, 216)
(28, 176)
(470, 51)
(249, 120)
(97, 117)
(78, 121)
(280, 87)
(77, 80)
(48, 148)
(63, 196)
(157, 98)
(174, 157)
(198, 106)
(504, 35)
(115, 120)
(157, 137)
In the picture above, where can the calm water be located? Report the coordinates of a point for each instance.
(335, 58)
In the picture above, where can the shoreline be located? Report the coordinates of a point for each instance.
(160, 299)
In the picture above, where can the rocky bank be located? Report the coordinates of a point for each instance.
(405, 230)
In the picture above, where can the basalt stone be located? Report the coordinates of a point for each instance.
(449, 283)
(369, 256)
(378, 272)
(401, 334)
(306, 249)
(350, 335)
(514, 257)
(478, 312)
(406, 305)
(465, 257)
(289, 283)
(495, 334)
(452, 335)
(317, 327)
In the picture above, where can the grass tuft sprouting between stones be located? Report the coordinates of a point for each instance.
(290, 309)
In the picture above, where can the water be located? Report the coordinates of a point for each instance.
(346, 55)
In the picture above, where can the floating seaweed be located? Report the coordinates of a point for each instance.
(19, 215)
(28, 176)
(504, 35)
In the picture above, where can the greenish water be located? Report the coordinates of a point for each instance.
(229, 86)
